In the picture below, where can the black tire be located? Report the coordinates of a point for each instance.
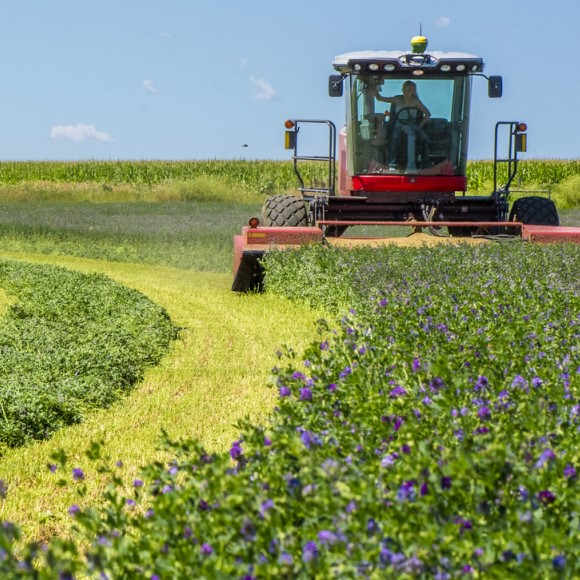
(284, 210)
(534, 210)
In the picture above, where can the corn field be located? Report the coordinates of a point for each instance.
(261, 176)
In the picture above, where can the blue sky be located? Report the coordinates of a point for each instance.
(198, 79)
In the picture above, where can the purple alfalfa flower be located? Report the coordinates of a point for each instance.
(137, 483)
(345, 372)
(248, 530)
(519, 382)
(427, 401)
(436, 384)
(398, 391)
(298, 376)
(305, 394)
(187, 532)
(332, 387)
(327, 537)
(446, 482)
(372, 526)
(484, 413)
(570, 471)
(424, 490)
(265, 506)
(310, 551)
(52, 467)
(74, 510)
(309, 439)
(351, 507)
(284, 391)
(383, 302)
(78, 474)
(464, 524)
(481, 384)
(547, 456)
(406, 449)
(206, 549)
(131, 503)
(285, 559)
(398, 422)
(546, 497)
(388, 460)
(324, 345)
(407, 491)
(508, 555)
(412, 566)
(559, 562)
(416, 365)
(537, 382)
(267, 441)
(236, 450)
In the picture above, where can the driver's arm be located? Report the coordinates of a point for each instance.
(425, 111)
(380, 97)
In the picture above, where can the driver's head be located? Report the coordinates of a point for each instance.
(410, 89)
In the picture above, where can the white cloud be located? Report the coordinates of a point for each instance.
(78, 133)
(149, 86)
(264, 90)
(442, 21)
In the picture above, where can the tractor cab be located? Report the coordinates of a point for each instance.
(407, 114)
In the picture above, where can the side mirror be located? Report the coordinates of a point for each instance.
(335, 85)
(495, 87)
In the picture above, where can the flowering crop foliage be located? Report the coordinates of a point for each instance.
(433, 433)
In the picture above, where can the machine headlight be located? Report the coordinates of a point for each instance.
(445, 67)
(374, 66)
(389, 67)
(460, 67)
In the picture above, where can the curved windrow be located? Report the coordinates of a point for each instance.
(70, 343)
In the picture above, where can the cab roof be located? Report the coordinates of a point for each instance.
(370, 61)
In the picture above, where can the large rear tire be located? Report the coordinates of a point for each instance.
(284, 210)
(534, 210)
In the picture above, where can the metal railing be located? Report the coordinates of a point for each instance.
(330, 159)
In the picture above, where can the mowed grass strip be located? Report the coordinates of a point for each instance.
(216, 374)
